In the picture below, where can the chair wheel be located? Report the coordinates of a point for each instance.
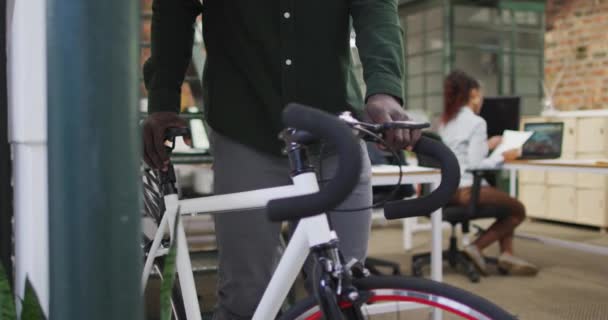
(471, 273)
(503, 271)
(417, 269)
(474, 277)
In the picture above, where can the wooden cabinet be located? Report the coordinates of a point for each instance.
(591, 135)
(534, 199)
(532, 177)
(569, 137)
(567, 196)
(590, 181)
(561, 203)
(561, 178)
(591, 207)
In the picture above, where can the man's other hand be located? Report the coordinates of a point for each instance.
(382, 108)
(154, 128)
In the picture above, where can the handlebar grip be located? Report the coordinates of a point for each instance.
(450, 179)
(328, 128)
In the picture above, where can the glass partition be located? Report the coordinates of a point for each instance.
(500, 44)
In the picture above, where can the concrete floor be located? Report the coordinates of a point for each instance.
(570, 285)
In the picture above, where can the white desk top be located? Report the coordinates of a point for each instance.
(592, 166)
(383, 175)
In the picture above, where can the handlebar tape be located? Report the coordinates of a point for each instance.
(330, 129)
(450, 179)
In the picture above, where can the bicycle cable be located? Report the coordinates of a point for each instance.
(392, 194)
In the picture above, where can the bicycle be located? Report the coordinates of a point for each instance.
(343, 290)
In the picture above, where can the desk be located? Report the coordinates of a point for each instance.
(389, 175)
(578, 166)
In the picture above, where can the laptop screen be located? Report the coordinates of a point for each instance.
(546, 142)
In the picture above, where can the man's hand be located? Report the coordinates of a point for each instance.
(154, 128)
(383, 108)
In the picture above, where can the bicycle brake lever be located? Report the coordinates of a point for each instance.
(412, 125)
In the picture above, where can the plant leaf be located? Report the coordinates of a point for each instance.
(7, 300)
(31, 304)
(169, 266)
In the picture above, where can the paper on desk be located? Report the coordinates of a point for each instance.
(511, 140)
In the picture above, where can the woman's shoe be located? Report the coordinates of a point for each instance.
(476, 257)
(516, 266)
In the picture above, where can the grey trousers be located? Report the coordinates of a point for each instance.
(249, 244)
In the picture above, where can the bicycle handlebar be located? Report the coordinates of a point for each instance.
(331, 129)
(450, 179)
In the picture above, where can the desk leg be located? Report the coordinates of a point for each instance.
(407, 233)
(512, 183)
(436, 252)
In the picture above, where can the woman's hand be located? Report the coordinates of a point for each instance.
(494, 141)
(512, 154)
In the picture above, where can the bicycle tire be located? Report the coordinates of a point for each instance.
(387, 289)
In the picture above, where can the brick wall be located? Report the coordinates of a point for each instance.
(576, 53)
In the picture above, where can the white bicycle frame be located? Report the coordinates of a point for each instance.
(309, 232)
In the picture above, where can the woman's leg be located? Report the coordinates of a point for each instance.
(506, 243)
(502, 229)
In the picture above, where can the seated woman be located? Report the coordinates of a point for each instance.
(464, 131)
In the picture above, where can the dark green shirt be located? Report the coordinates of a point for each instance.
(262, 55)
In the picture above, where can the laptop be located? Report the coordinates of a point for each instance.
(545, 142)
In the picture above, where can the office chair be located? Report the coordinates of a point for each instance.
(460, 215)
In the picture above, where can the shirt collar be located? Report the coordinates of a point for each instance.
(465, 110)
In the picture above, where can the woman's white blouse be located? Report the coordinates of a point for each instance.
(467, 137)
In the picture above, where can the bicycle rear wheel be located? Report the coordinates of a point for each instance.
(393, 297)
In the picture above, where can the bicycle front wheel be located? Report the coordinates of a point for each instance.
(390, 297)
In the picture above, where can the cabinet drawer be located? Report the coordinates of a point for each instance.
(591, 180)
(561, 203)
(532, 176)
(561, 178)
(534, 199)
(591, 207)
(569, 137)
(591, 135)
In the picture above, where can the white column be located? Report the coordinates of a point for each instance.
(26, 46)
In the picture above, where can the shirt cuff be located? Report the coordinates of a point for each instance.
(383, 83)
(163, 101)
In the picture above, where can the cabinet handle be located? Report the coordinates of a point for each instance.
(571, 131)
(602, 131)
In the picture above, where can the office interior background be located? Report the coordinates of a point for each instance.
(551, 54)
(554, 56)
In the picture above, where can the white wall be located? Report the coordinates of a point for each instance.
(26, 46)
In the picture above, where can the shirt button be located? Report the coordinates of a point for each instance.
(286, 15)
(288, 62)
